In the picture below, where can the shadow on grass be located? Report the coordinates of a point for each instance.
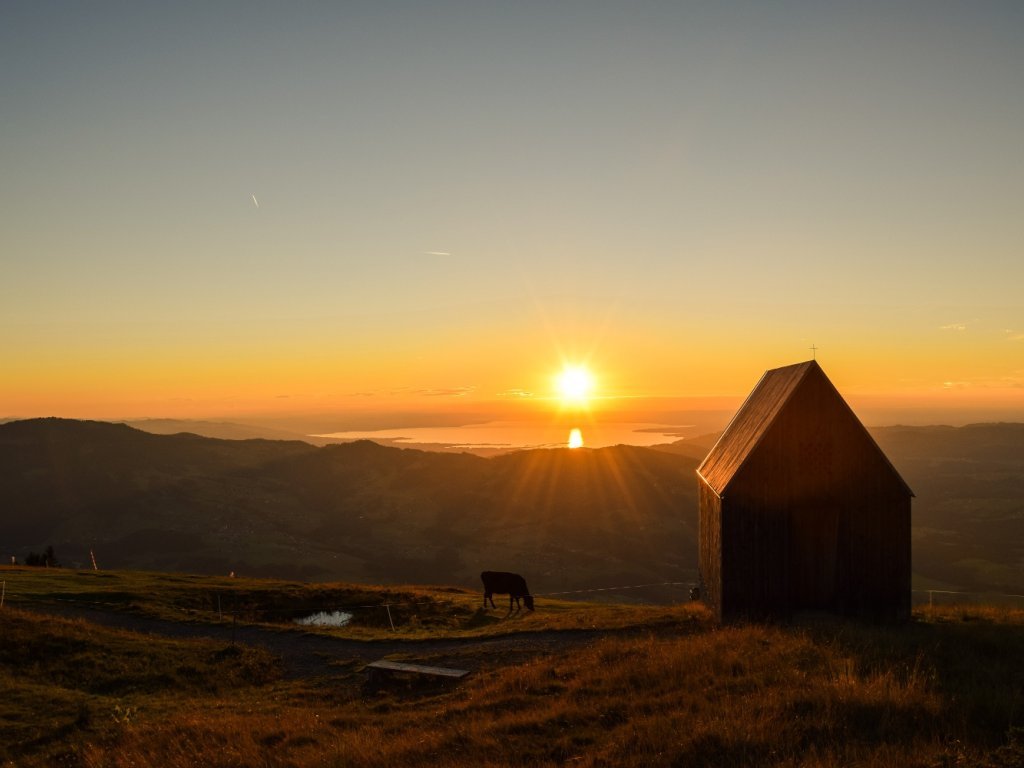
(484, 618)
(973, 662)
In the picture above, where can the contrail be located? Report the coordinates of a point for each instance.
(437, 253)
(256, 201)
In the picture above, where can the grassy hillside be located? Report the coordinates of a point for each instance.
(404, 613)
(969, 509)
(946, 689)
(362, 512)
(358, 511)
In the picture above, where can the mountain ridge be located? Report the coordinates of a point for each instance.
(360, 511)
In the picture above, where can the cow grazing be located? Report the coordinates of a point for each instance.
(511, 584)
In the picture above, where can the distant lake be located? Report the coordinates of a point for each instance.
(499, 435)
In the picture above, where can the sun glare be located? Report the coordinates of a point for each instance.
(574, 385)
(575, 439)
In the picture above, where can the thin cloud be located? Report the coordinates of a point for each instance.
(961, 326)
(1010, 380)
(515, 393)
(448, 392)
(436, 253)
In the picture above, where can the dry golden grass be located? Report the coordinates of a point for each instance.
(416, 612)
(945, 690)
(65, 680)
(736, 696)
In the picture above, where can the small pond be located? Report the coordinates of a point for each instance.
(326, 619)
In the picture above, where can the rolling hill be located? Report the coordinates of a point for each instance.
(356, 511)
(969, 511)
(360, 511)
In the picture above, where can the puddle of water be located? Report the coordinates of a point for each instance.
(325, 619)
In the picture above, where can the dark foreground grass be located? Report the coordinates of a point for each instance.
(945, 690)
(64, 682)
(744, 696)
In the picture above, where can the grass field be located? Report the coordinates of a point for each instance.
(394, 612)
(947, 689)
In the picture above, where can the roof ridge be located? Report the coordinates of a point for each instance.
(792, 376)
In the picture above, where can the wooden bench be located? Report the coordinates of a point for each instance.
(378, 670)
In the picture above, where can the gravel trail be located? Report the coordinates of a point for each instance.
(306, 655)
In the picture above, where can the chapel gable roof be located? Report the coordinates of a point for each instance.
(757, 414)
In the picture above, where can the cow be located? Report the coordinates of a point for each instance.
(511, 584)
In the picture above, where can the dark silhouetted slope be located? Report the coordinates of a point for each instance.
(969, 510)
(356, 511)
(569, 519)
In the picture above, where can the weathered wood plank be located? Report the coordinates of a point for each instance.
(383, 665)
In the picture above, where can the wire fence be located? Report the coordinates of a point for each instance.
(948, 597)
(686, 584)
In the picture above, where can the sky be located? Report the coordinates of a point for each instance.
(217, 209)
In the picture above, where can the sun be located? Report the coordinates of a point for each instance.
(574, 385)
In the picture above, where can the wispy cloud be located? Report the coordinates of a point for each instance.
(446, 392)
(436, 253)
(515, 393)
(1013, 380)
(961, 326)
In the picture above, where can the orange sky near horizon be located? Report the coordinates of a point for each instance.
(517, 383)
(215, 211)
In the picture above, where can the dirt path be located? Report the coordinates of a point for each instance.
(316, 655)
